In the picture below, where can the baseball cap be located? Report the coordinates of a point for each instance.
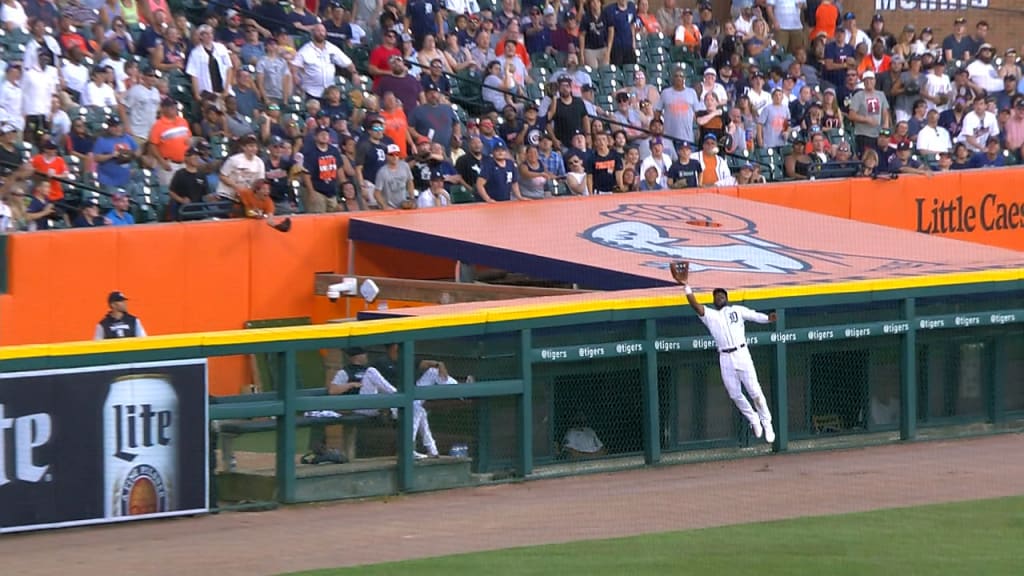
(905, 145)
(710, 71)
(777, 89)
(193, 151)
(684, 144)
(960, 20)
(926, 30)
(149, 72)
(867, 74)
(710, 136)
(531, 105)
(323, 114)
(116, 296)
(422, 140)
(355, 351)
(114, 121)
(8, 128)
(746, 166)
(248, 139)
(49, 145)
(985, 46)
(276, 141)
(436, 176)
(849, 16)
(118, 196)
(430, 85)
(564, 80)
(498, 145)
(394, 149)
(622, 97)
(168, 101)
(877, 17)
(231, 13)
(657, 140)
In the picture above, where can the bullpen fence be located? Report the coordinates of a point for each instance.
(640, 378)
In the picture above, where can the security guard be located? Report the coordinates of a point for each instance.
(118, 323)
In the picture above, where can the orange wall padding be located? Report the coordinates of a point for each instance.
(983, 206)
(195, 277)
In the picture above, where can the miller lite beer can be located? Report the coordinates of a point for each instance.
(140, 440)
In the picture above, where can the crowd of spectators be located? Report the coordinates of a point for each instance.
(113, 111)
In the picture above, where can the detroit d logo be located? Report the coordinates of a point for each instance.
(709, 239)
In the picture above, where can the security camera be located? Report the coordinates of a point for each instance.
(348, 287)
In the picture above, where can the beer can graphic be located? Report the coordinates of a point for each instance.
(140, 440)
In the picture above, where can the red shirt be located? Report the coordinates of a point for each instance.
(380, 56)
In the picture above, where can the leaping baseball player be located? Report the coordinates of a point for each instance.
(726, 322)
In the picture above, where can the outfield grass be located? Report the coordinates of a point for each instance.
(976, 538)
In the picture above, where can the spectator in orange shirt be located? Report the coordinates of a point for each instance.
(256, 201)
(825, 19)
(396, 124)
(49, 163)
(688, 34)
(878, 61)
(169, 138)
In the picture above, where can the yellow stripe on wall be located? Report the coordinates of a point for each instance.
(486, 316)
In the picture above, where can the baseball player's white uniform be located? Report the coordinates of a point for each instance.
(420, 425)
(727, 327)
(373, 382)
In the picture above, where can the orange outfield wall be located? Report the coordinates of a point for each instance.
(205, 276)
(194, 277)
(983, 206)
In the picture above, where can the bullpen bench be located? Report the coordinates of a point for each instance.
(228, 430)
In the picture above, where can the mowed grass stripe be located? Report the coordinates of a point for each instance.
(982, 537)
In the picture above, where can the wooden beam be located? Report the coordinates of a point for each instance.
(440, 291)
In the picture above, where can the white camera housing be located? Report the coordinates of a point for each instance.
(346, 287)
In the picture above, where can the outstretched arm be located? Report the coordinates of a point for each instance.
(755, 316)
(681, 273)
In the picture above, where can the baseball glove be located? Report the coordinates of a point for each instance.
(284, 225)
(680, 271)
(408, 204)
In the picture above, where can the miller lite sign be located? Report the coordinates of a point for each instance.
(103, 444)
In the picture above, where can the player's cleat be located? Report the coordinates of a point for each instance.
(419, 455)
(769, 432)
(755, 427)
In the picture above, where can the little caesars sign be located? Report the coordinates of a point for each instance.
(928, 5)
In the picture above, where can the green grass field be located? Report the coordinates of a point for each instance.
(971, 538)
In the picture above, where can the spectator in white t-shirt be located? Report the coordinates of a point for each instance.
(978, 126)
(241, 170)
(932, 138)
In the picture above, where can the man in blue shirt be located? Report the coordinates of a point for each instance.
(120, 215)
(837, 53)
(992, 157)
(499, 177)
(424, 17)
(114, 154)
(619, 18)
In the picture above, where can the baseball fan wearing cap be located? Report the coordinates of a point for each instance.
(394, 184)
(114, 153)
(869, 111)
(322, 164)
(169, 138)
(958, 45)
(499, 176)
(188, 184)
(903, 161)
(371, 154)
(118, 323)
(714, 171)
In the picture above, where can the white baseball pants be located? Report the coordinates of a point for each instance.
(738, 373)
